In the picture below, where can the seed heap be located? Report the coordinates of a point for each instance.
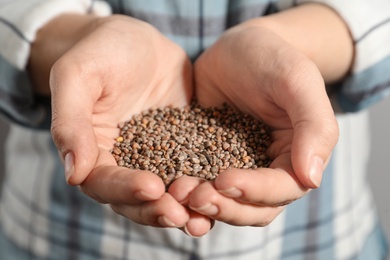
(195, 141)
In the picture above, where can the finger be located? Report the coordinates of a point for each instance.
(281, 143)
(164, 212)
(198, 225)
(274, 186)
(71, 129)
(181, 188)
(314, 123)
(108, 183)
(207, 201)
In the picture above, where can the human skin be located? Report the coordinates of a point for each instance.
(95, 83)
(273, 68)
(107, 70)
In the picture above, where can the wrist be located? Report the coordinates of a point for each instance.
(318, 32)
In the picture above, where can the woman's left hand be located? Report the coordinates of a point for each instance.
(257, 72)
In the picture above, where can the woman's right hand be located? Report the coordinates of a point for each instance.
(121, 67)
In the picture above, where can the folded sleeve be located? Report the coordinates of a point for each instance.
(369, 25)
(19, 22)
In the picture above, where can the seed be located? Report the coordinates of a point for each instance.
(182, 156)
(246, 159)
(136, 146)
(195, 160)
(195, 141)
(116, 151)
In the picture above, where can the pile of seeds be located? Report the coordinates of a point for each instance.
(195, 141)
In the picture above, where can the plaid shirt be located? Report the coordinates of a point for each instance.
(41, 217)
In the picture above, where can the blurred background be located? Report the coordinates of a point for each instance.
(379, 170)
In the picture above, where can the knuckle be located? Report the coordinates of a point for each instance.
(116, 208)
(265, 221)
(284, 203)
(263, 224)
(268, 216)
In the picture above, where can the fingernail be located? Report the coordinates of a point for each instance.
(69, 165)
(142, 195)
(188, 233)
(316, 170)
(232, 192)
(208, 209)
(165, 222)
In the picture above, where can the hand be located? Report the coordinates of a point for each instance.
(258, 72)
(120, 67)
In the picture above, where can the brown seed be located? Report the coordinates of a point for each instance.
(202, 142)
(117, 151)
(195, 160)
(246, 159)
(225, 145)
(211, 129)
(214, 169)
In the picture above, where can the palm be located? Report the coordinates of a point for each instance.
(259, 73)
(252, 81)
(133, 69)
(124, 96)
(121, 68)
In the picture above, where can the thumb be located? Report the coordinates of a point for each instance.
(72, 131)
(315, 132)
(311, 149)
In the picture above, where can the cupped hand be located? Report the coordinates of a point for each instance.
(121, 67)
(256, 71)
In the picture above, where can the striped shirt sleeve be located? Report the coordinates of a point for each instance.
(369, 25)
(19, 22)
